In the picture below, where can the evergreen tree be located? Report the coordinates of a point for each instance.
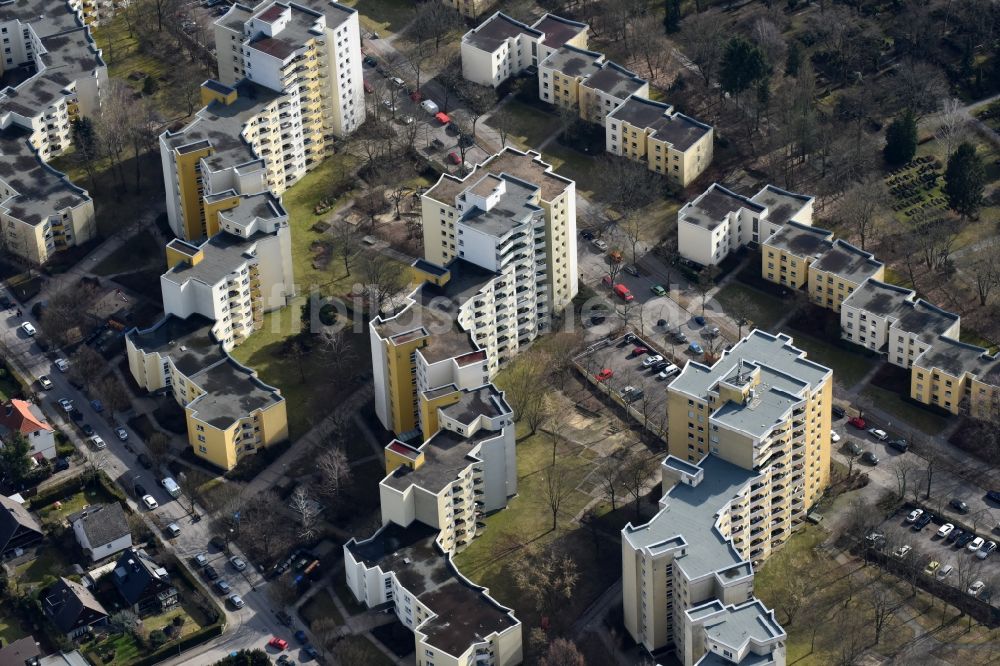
(793, 59)
(672, 19)
(14, 464)
(964, 180)
(901, 140)
(743, 65)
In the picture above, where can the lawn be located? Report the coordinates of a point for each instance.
(764, 310)
(9, 384)
(576, 166)
(123, 646)
(528, 126)
(915, 416)
(383, 16)
(49, 564)
(93, 495)
(848, 367)
(10, 629)
(320, 606)
(143, 250)
(364, 652)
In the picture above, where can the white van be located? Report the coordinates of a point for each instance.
(171, 487)
(429, 106)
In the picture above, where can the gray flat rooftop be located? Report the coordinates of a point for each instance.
(613, 79)
(264, 206)
(800, 240)
(783, 366)
(236, 17)
(558, 30)
(46, 17)
(188, 342)
(736, 625)
(574, 62)
(41, 190)
(486, 400)
(496, 30)
(641, 112)
(292, 37)
(463, 614)
(782, 206)
(680, 131)
(222, 254)
(712, 206)
(879, 298)
(446, 455)
(690, 515)
(957, 358)
(231, 393)
(466, 280)
(769, 408)
(526, 167)
(848, 262)
(924, 319)
(513, 208)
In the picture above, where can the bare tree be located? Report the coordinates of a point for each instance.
(953, 126)
(704, 43)
(502, 120)
(860, 209)
(547, 580)
(884, 605)
(610, 477)
(985, 269)
(114, 395)
(306, 511)
(557, 490)
(347, 237)
(432, 21)
(637, 469)
(383, 277)
(562, 652)
(334, 470)
(86, 365)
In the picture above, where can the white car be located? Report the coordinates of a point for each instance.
(66, 404)
(28, 329)
(913, 515)
(121, 433)
(406, 120)
(149, 502)
(834, 437)
(45, 383)
(945, 530)
(97, 442)
(976, 588)
(238, 562)
(650, 361)
(429, 106)
(599, 244)
(174, 530)
(398, 82)
(975, 544)
(668, 371)
(61, 364)
(901, 552)
(236, 600)
(880, 435)
(986, 550)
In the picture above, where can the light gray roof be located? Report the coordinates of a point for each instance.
(769, 408)
(712, 205)
(41, 190)
(879, 298)
(800, 240)
(513, 208)
(222, 254)
(446, 455)
(615, 80)
(689, 519)
(957, 358)
(848, 262)
(262, 205)
(73, 658)
(924, 319)
(496, 30)
(782, 206)
(574, 62)
(102, 524)
(734, 626)
(487, 400)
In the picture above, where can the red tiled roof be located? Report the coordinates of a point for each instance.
(21, 418)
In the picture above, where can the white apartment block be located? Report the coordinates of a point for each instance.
(443, 219)
(502, 47)
(309, 50)
(235, 276)
(720, 221)
(685, 585)
(893, 321)
(574, 78)
(54, 74)
(669, 143)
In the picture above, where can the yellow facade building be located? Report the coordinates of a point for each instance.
(473, 9)
(787, 254)
(957, 377)
(839, 271)
(581, 80)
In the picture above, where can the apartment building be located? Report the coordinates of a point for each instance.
(472, 9)
(574, 78)
(839, 271)
(685, 585)
(445, 223)
(230, 413)
(786, 254)
(892, 320)
(719, 221)
(53, 73)
(957, 377)
(309, 50)
(502, 47)
(666, 142)
(230, 278)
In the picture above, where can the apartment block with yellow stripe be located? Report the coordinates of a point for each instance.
(310, 50)
(749, 454)
(574, 78)
(839, 271)
(230, 413)
(957, 377)
(787, 253)
(55, 74)
(666, 142)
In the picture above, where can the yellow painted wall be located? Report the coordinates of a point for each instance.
(274, 424)
(212, 213)
(208, 95)
(394, 460)
(220, 449)
(429, 410)
(190, 198)
(399, 387)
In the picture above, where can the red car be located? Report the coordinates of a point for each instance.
(278, 643)
(454, 158)
(857, 422)
(624, 293)
(638, 351)
(606, 373)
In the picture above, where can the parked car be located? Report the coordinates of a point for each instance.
(623, 293)
(834, 437)
(398, 82)
(658, 290)
(174, 530)
(695, 348)
(87, 429)
(712, 332)
(631, 269)
(144, 460)
(587, 235)
(699, 320)
(869, 457)
(922, 522)
(599, 244)
(278, 643)
(993, 495)
(121, 433)
(944, 572)
(913, 515)
(945, 530)
(97, 406)
(66, 404)
(238, 562)
(955, 534)
(370, 61)
(606, 373)
(638, 351)
(200, 560)
(454, 158)
(875, 539)
(679, 337)
(931, 567)
(668, 371)
(854, 448)
(963, 541)
(61, 464)
(300, 636)
(986, 550)
(976, 588)
(45, 383)
(429, 106)
(837, 412)
(210, 573)
(651, 360)
(857, 422)
(222, 586)
(97, 442)
(959, 505)
(236, 600)
(899, 444)
(902, 551)
(975, 544)
(878, 434)
(28, 329)
(149, 501)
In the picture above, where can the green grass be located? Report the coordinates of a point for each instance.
(320, 606)
(10, 629)
(764, 310)
(576, 166)
(974, 338)
(53, 515)
(10, 386)
(528, 126)
(45, 569)
(126, 650)
(142, 250)
(848, 367)
(917, 417)
(365, 653)
(383, 16)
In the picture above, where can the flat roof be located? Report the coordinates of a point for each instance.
(222, 255)
(879, 298)
(496, 30)
(712, 206)
(848, 262)
(486, 400)
(957, 358)
(641, 112)
(924, 319)
(615, 80)
(734, 626)
(571, 61)
(40, 190)
(188, 342)
(681, 131)
(769, 407)
(782, 206)
(512, 209)
(253, 207)
(527, 167)
(463, 614)
(446, 455)
(689, 518)
(558, 30)
(800, 240)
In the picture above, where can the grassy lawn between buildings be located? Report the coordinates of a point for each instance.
(765, 310)
(913, 415)
(848, 367)
(320, 606)
(383, 16)
(528, 126)
(143, 250)
(365, 653)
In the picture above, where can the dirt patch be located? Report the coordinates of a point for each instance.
(322, 251)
